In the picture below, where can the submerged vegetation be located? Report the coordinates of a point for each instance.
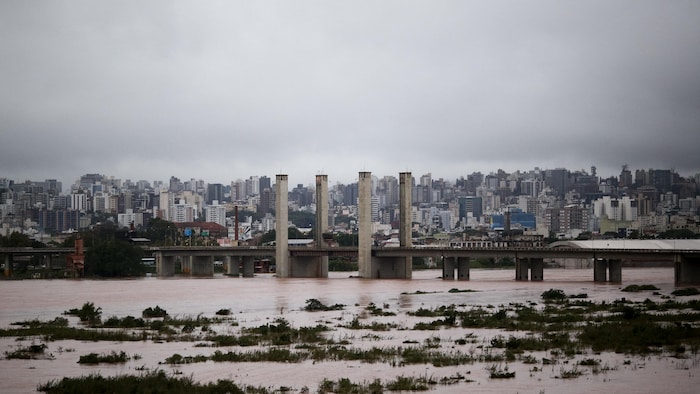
(562, 329)
(154, 382)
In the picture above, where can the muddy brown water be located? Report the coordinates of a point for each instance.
(264, 298)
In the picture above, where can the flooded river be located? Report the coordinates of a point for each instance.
(264, 298)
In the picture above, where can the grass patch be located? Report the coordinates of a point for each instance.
(689, 291)
(88, 313)
(496, 372)
(153, 382)
(553, 295)
(314, 305)
(455, 290)
(638, 288)
(31, 352)
(572, 373)
(154, 312)
(109, 358)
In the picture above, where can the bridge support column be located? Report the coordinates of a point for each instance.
(600, 270)
(233, 265)
(186, 265)
(165, 265)
(536, 269)
(7, 260)
(308, 266)
(389, 268)
(463, 268)
(521, 268)
(607, 270)
(448, 268)
(202, 266)
(615, 270)
(248, 267)
(687, 270)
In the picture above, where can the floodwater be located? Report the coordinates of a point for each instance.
(264, 298)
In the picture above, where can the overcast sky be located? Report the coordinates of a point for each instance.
(221, 90)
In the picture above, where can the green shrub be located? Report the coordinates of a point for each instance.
(154, 312)
(554, 295)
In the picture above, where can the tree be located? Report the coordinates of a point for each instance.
(292, 233)
(161, 231)
(302, 218)
(19, 240)
(682, 233)
(114, 258)
(346, 239)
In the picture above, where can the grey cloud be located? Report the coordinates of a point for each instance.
(223, 90)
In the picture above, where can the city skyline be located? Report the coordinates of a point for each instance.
(227, 90)
(417, 177)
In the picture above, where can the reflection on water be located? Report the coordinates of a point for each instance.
(256, 301)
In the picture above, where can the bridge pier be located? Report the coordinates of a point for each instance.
(600, 268)
(308, 266)
(607, 270)
(615, 270)
(165, 265)
(448, 268)
(390, 267)
(521, 269)
(186, 265)
(536, 269)
(201, 266)
(233, 265)
(532, 266)
(7, 260)
(248, 267)
(449, 264)
(463, 268)
(686, 270)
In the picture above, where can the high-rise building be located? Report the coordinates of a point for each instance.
(182, 212)
(558, 180)
(470, 205)
(267, 201)
(616, 209)
(625, 177)
(264, 183)
(176, 185)
(215, 192)
(374, 200)
(238, 190)
(78, 201)
(216, 213)
(388, 186)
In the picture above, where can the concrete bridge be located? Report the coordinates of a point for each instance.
(389, 262)
(607, 258)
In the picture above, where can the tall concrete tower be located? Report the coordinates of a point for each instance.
(321, 208)
(405, 239)
(321, 220)
(405, 181)
(364, 251)
(281, 226)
